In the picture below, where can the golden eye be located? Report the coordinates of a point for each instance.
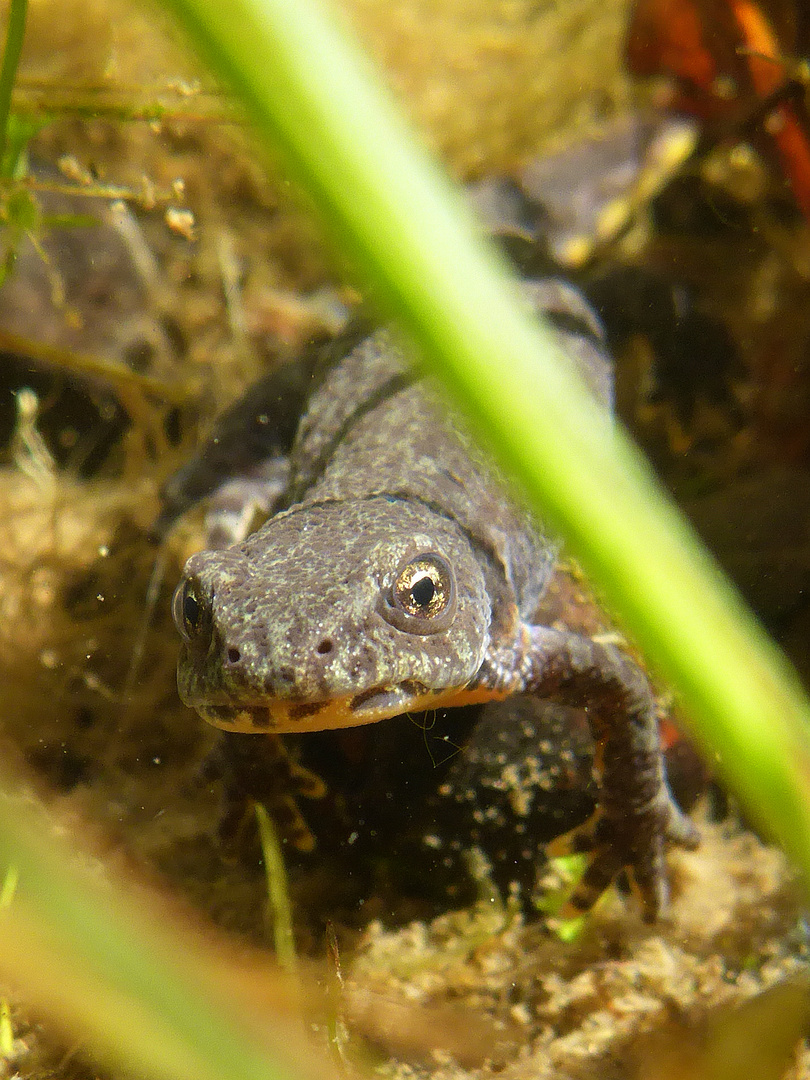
(424, 587)
(423, 596)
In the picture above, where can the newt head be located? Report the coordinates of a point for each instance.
(332, 615)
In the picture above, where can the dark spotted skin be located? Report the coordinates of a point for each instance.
(398, 575)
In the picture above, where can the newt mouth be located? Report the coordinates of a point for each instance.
(279, 716)
(282, 717)
(389, 700)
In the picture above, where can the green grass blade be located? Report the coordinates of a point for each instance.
(315, 103)
(279, 912)
(110, 964)
(15, 33)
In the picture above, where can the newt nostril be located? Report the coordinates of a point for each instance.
(324, 647)
(234, 656)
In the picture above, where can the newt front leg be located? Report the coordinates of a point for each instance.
(637, 816)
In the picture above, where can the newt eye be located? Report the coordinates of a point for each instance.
(423, 596)
(424, 587)
(186, 610)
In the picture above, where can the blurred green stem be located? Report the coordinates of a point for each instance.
(109, 961)
(11, 58)
(279, 912)
(315, 102)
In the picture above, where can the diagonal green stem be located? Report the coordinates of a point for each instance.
(11, 58)
(107, 959)
(315, 102)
